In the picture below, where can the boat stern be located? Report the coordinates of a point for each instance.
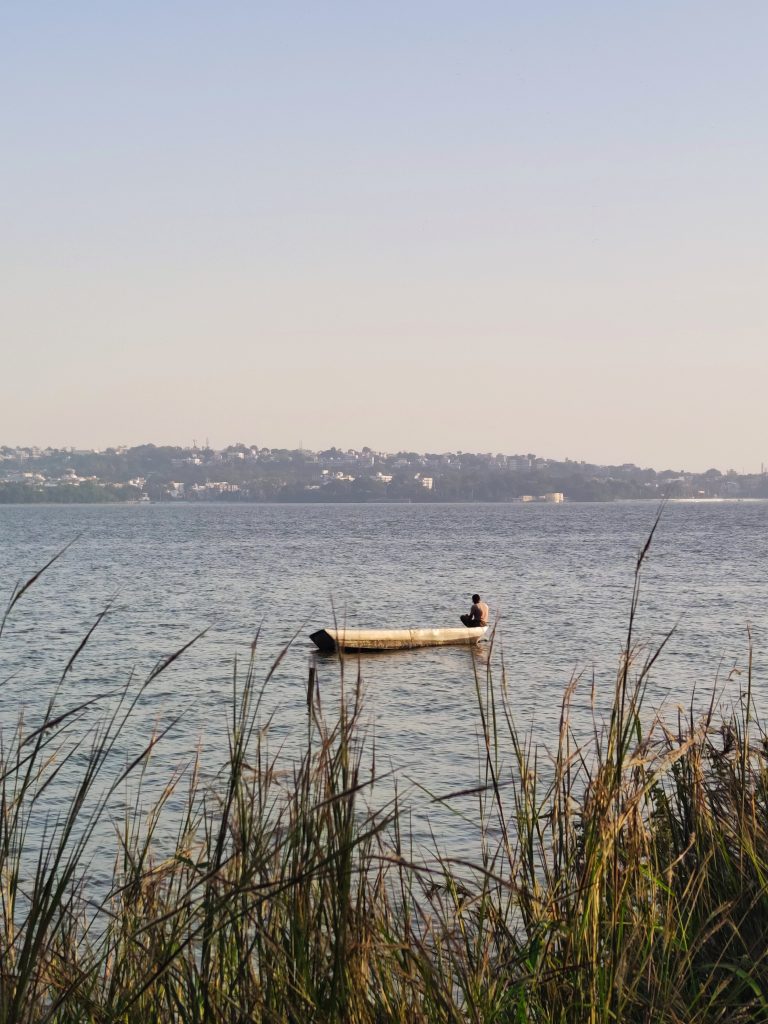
(322, 639)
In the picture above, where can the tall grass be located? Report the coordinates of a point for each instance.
(623, 878)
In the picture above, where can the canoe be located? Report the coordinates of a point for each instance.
(394, 639)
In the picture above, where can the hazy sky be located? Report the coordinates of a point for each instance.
(512, 227)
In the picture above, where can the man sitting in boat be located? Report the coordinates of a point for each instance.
(478, 613)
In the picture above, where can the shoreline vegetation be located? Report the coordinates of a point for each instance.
(619, 878)
(107, 496)
(242, 473)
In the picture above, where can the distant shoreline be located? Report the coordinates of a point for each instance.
(230, 502)
(253, 474)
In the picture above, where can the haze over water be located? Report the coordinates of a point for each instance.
(558, 579)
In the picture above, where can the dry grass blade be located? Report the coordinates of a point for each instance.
(21, 589)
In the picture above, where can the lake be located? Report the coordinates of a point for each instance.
(558, 579)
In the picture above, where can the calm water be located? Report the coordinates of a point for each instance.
(558, 578)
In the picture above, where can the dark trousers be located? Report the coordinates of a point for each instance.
(470, 622)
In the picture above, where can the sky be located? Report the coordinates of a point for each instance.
(489, 226)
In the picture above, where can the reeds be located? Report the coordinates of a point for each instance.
(624, 877)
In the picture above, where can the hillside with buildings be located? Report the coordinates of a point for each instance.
(251, 473)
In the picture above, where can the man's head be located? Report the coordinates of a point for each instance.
(475, 598)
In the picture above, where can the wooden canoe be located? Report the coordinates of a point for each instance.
(394, 639)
